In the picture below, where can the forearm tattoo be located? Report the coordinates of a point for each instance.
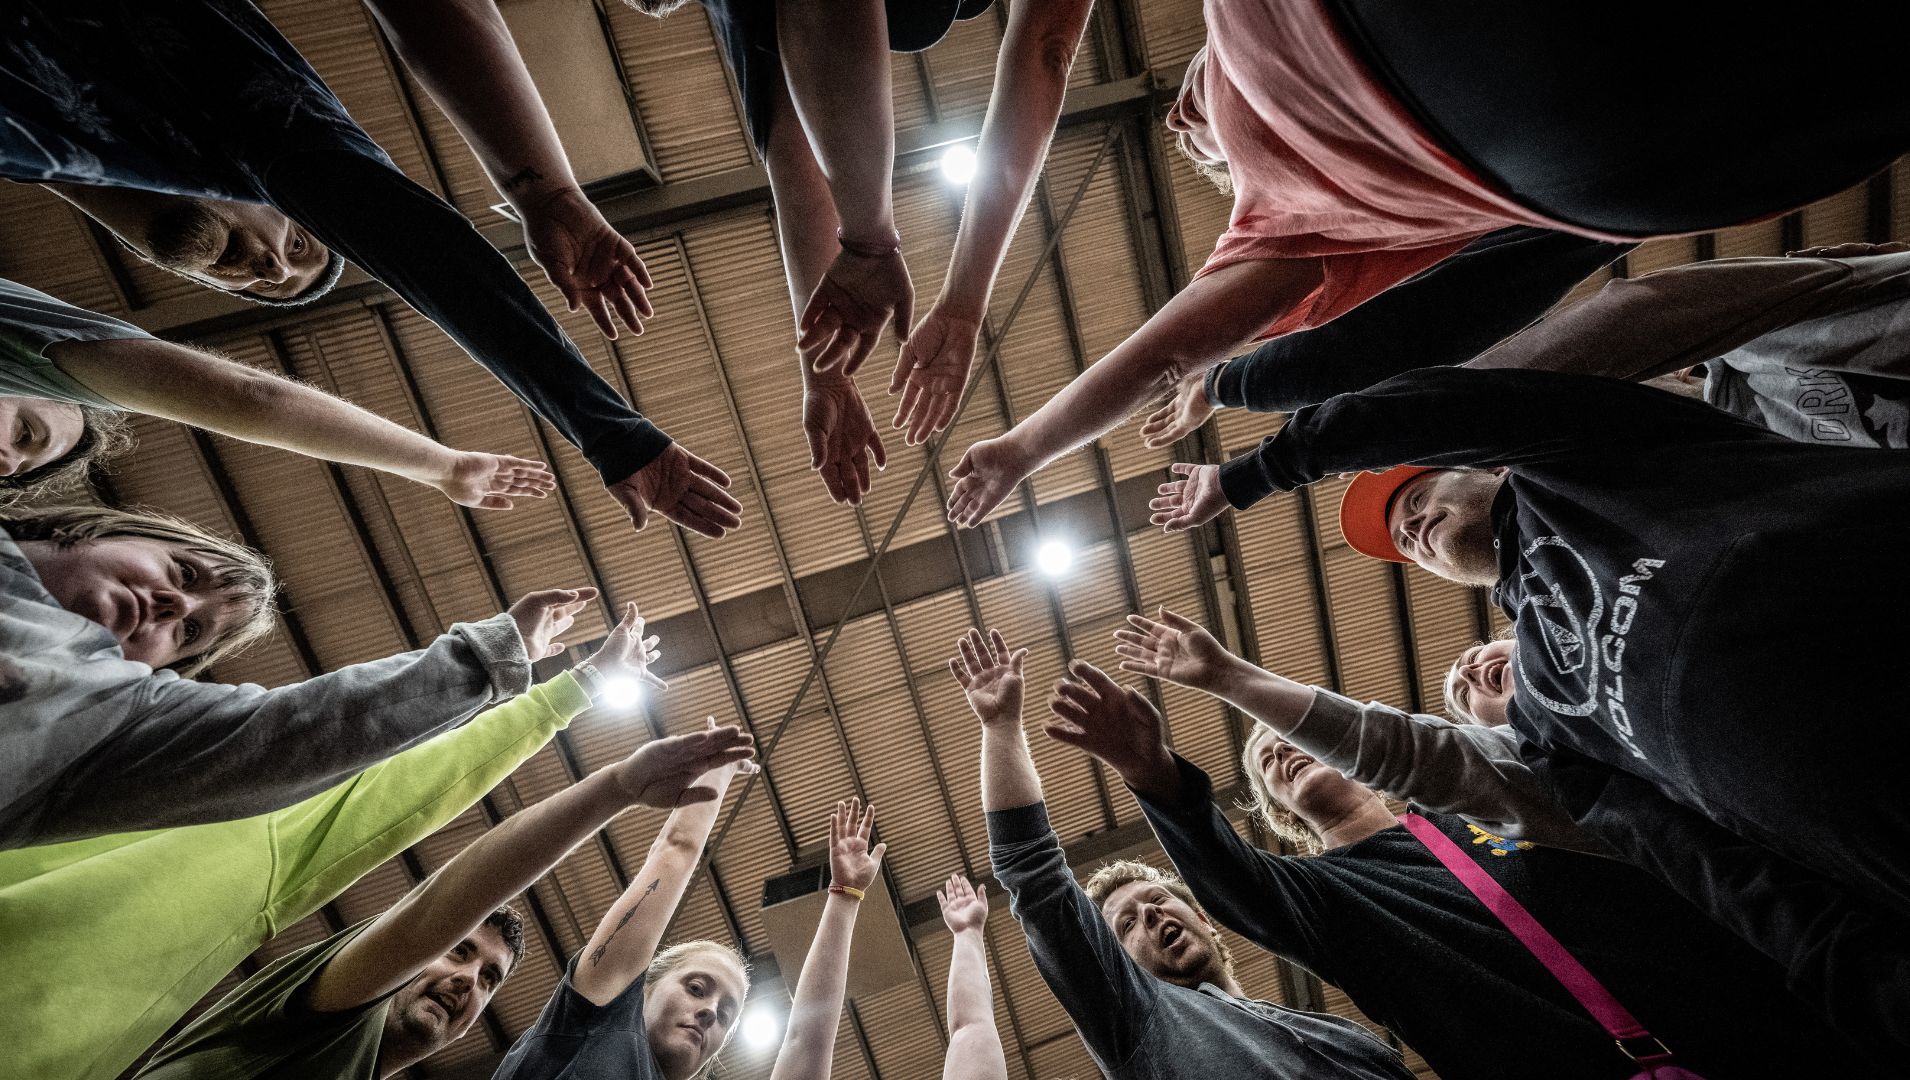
(597, 953)
(518, 179)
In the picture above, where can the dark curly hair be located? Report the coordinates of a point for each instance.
(510, 927)
(105, 435)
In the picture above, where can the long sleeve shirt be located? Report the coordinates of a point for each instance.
(206, 97)
(106, 942)
(1493, 287)
(1689, 592)
(1138, 1027)
(1382, 919)
(94, 743)
(1469, 770)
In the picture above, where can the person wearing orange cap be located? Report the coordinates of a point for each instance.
(1694, 598)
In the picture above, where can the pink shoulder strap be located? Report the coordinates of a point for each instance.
(1606, 1009)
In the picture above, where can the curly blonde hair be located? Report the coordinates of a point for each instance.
(1112, 876)
(1273, 815)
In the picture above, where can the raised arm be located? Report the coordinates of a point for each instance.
(974, 1045)
(1031, 78)
(206, 391)
(836, 59)
(407, 238)
(1205, 323)
(462, 51)
(991, 679)
(625, 941)
(507, 859)
(1463, 769)
(190, 753)
(809, 1042)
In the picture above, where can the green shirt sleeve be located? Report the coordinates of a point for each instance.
(322, 845)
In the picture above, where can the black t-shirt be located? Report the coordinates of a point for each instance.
(1383, 920)
(574, 1038)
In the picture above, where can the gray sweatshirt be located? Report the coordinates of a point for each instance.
(1467, 770)
(1138, 1027)
(1815, 349)
(94, 743)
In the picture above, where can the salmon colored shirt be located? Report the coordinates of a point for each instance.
(1326, 164)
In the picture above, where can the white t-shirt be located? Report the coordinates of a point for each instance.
(30, 322)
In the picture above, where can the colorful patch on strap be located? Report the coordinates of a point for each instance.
(1498, 845)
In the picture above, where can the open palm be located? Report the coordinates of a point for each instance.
(990, 675)
(852, 862)
(964, 907)
(931, 374)
(1181, 415)
(1173, 649)
(1190, 502)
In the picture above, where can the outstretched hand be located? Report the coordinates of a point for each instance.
(1173, 649)
(932, 372)
(542, 615)
(964, 906)
(677, 771)
(852, 862)
(682, 487)
(983, 478)
(627, 652)
(1190, 502)
(1114, 723)
(990, 676)
(851, 305)
(1180, 415)
(842, 436)
(491, 481)
(590, 263)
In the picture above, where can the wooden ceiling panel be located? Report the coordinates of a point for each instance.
(1171, 32)
(1839, 219)
(677, 75)
(1201, 211)
(962, 65)
(1366, 621)
(45, 243)
(1277, 565)
(1445, 623)
(1759, 238)
(903, 1037)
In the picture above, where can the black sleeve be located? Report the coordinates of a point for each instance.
(1850, 959)
(1448, 314)
(416, 244)
(1109, 998)
(1449, 417)
(1261, 896)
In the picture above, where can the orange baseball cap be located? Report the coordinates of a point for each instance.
(1364, 507)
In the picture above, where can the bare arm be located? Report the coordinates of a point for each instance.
(625, 941)
(991, 679)
(1204, 324)
(974, 1045)
(462, 51)
(192, 387)
(809, 1044)
(505, 861)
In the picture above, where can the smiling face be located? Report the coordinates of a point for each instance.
(438, 1006)
(162, 601)
(689, 1011)
(35, 432)
(1164, 934)
(234, 246)
(1442, 521)
(1479, 685)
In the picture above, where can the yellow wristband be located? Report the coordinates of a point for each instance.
(847, 890)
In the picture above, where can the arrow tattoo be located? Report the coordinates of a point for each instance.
(597, 953)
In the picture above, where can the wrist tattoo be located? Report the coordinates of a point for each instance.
(597, 953)
(518, 179)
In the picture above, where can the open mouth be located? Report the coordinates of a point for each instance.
(1170, 933)
(1296, 765)
(444, 1003)
(1494, 676)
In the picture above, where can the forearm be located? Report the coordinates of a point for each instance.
(836, 59)
(1275, 700)
(974, 1044)
(463, 53)
(178, 383)
(429, 255)
(1009, 778)
(809, 1046)
(1204, 324)
(1031, 79)
(805, 210)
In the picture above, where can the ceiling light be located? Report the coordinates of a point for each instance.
(1054, 557)
(761, 1027)
(958, 163)
(621, 692)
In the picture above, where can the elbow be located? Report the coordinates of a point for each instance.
(1054, 57)
(680, 842)
(256, 394)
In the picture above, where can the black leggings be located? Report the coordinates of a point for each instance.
(1677, 119)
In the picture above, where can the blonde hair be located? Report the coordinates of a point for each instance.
(1121, 872)
(242, 575)
(1275, 816)
(1450, 685)
(104, 436)
(1216, 172)
(671, 958)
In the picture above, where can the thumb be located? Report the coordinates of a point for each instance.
(814, 433)
(1178, 621)
(880, 850)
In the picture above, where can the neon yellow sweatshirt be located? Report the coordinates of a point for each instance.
(106, 942)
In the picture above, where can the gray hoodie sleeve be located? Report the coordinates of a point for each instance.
(1437, 765)
(177, 752)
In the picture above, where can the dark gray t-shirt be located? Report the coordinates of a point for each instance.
(30, 322)
(574, 1038)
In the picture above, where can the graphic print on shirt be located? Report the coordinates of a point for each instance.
(1498, 845)
(1564, 625)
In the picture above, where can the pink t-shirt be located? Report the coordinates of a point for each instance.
(1325, 163)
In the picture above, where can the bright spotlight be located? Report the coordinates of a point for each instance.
(622, 693)
(958, 164)
(761, 1027)
(1054, 557)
